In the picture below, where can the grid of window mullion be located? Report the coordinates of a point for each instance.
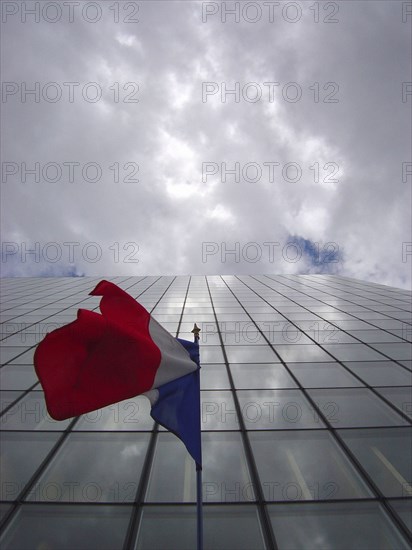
(341, 443)
(136, 514)
(319, 314)
(325, 285)
(372, 286)
(57, 446)
(15, 505)
(373, 327)
(340, 290)
(266, 525)
(48, 316)
(148, 462)
(81, 284)
(31, 286)
(19, 398)
(338, 361)
(64, 309)
(349, 282)
(369, 386)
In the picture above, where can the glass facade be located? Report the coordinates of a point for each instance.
(306, 388)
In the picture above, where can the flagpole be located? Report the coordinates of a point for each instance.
(199, 499)
(199, 507)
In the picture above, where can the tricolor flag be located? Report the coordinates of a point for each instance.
(101, 359)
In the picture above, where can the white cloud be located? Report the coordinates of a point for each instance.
(220, 213)
(161, 61)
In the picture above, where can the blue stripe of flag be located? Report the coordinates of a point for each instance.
(178, 406)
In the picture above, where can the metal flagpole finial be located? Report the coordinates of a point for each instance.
(196, 331)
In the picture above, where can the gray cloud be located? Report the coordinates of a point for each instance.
(163, 219)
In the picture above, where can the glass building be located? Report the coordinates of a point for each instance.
(306, 421)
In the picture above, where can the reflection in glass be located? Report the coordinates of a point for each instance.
(322, 375)
(250, 354)
(401, 350)
(20, 455)
(225, 473)
(224, 528)
(354, 407)
(177, 532)
(9, 353)
(341, 526)
(173, 474)
(129, 415)
(404, 510)
(17, 377)
(67, 527)
(211, 354)
(264, 375)
(304, 353)
(94, 467)
(4, 508)
(218, 411)
(8, 397)
(353, 352)
(30, 413)
(214, 377)
(374, 336)
(381, 373)
(386, 455)
(277, 409)
(304, 465)
(400, 397)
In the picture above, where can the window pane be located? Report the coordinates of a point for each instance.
(173, 473)
(92, 468)
(8, 397)
(177, 532)
(277, 409)
(353, 352)
(21, 454)
(225, 474)
(211, 354)
(67, 527)
(304, 353)
(400, 397)
(289, 335)
(381, 373)
(30, 413)
(396, 351)
(17, 377)
(218, 411)
(225, 528)
(214, 377)
(250, 354)
(374, 336)
(19, 354)
(304, 465)
(361, 526)
(264, 375)
(404, 510)
(354, 407)
(332, 336)
(129, 415)
(386, 455)
(357, 325)
(4, 508)
(323, 375)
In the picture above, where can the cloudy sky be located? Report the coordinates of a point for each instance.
(182, 137)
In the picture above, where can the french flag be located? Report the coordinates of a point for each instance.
(101, 359)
